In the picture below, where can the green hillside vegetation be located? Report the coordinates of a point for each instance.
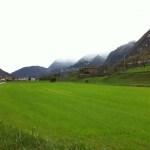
(75, 116)
(139, 69)
(138, 76)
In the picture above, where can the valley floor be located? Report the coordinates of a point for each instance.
(87, 115)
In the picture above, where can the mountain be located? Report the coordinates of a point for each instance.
(4, 74)
(59, 66)
(32, 71)
(84, 61)
(117, 55)
(141, 52)
(97, 61)
(131, 54)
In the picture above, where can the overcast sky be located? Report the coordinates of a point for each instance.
(36, 32)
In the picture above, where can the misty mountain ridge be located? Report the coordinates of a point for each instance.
(84, 61)
(142, 48)
(59, 66)
(4, 74)
(132, 52)
(117, 55)
(31, 71)
(97, 61)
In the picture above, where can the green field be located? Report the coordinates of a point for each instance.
(102, 116)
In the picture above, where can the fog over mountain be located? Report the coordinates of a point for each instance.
(142, 45)
(135, 51)
(38, 33)
(141, 51)
(97, 61)
(118, 54)
(84, 61)
(59, 65)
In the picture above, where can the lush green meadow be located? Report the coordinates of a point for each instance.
(102, 116)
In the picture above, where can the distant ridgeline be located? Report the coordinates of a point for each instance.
(129, 55)
(4, 75)
(141, 52)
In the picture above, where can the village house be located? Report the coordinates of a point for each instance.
(5, 78)
(25, 79)
(88, 71)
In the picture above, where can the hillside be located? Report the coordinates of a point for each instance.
(117, 55)
(84, 61)
(32, 71)
(3, 74)
(138, 55)
(97, 61)
(141, 52)
(137, 76)
(59, 66)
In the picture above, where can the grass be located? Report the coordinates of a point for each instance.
(12, 138)
(128, 79)
(139, 69)
(137, 76)
(101, 116)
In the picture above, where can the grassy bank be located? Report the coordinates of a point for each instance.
(13, 139)
(138, 76)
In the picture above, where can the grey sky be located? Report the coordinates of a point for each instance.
(36, 32)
